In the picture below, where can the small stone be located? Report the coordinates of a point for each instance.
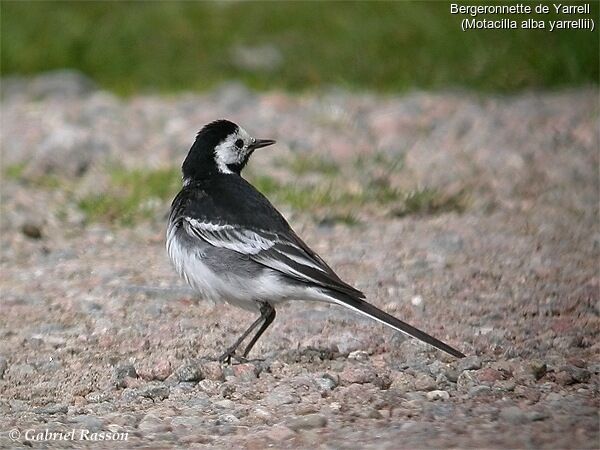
(437, 368)
(424, 383)
(153, 424)
(189, 373)
(326, 383)
(505, 385)
(469, 363)
(594, 368)
(467, 380)
(212, 370)
(225, 404)
(281, 395)
(578, 374)
(307, 422)
(245, 372)
(181, 424)
(227, 419)
(452, 374)
(488, 375)
(123, 371)
(533, 395)
(91, 423)
(413, 404)
(52, 409)
(357, 374)
(155, 391)
(209, 386)
(161, 370)
(476, 391)
(97, 397)
(437, 395)
(279, 433)
(402, 382)
(564, 378)
(227, 390)
(358, 355)
(31, 230)
(513, 415)
(262, 413)
(538, 369)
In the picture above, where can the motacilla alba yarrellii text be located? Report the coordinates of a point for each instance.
(230, 244)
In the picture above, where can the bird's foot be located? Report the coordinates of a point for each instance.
(229, 354)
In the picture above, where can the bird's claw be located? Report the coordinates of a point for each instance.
(226, 357)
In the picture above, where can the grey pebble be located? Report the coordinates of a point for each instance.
(225, 404)
(153, 424)
(282, 395)
(52, 409)
(97, 397)
(469, 363)
(437, 395)
(307, 422)
(477, 391)
(189, 422)
(425, 383)
(155, 391)
(91, 423)
(357, 374)
(121, 372)
(579, 375)
(358, 355)
(466, 380)
(227, 419)
(326, 383)
(189, 372)
(513, 414)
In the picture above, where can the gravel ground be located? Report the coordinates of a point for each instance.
(97, 333)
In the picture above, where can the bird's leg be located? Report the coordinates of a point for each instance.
(266, 311)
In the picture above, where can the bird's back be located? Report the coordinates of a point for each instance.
(228, 199)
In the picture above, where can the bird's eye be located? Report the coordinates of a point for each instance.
(239, 143)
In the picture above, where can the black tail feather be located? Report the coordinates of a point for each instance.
(367, 309)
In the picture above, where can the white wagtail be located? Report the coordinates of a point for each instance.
(230, 244)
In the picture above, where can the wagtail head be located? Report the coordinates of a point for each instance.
(220, 147)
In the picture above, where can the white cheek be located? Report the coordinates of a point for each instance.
(224, 155)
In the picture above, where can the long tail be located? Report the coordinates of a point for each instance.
(371, 311)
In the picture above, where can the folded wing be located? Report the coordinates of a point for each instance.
(285, 253)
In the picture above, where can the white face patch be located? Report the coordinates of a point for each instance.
(227, 153)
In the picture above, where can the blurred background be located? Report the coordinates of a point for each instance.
(452, 176)
(130, 47)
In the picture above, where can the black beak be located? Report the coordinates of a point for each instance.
(259, 143)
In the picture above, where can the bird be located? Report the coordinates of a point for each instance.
(232, 245)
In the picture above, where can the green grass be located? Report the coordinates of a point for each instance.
(382, 46)
(15, 171)
(431, 202)
(304, 164)
(133, 195)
